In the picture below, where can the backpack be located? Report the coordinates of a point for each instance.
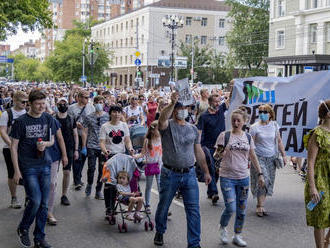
(10, 118)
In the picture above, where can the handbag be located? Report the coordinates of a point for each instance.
(152, 169)
(278, 161)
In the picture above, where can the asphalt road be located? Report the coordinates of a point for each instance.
(82, 224)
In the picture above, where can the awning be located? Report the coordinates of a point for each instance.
(316, 59)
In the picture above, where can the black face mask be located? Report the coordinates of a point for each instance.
(62, 108)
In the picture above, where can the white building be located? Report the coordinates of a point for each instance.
(299, 37)
(142, 30)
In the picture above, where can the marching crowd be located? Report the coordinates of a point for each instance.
(46, 127)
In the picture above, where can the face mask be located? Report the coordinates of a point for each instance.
(214, 108)
(264, 117)
(98, 107)
(182, 114)
(62, 108)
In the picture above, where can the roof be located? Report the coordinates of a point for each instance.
(193, 4)
(299, 59)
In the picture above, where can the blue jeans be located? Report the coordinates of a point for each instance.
(212, 187)
(235, 194)
(37, 186)
(170, 182)
(149, 180)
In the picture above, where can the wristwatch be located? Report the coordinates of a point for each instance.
(260, 174)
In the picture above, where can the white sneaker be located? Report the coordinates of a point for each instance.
(238, 240)
(223, 235)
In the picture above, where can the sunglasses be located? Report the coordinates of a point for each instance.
(134, 98)
(86, 97)
(24, 102)
(263, 112)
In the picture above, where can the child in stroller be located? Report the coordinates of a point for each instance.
(114, 166)
(129, 198)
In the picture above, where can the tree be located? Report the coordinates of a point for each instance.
(82, 28)
(248, 40)
(29, 14)
(66, 60)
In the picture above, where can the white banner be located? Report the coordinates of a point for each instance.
(185, 94)
(295, 101)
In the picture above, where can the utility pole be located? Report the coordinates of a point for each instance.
(83, 60)
(192, 61)
(92, 63)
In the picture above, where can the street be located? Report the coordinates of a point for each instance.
(82, 224)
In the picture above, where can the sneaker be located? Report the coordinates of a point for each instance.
(223, 235)
(158, 240)
(77, 187)
(23, 236)
(99, 195)
(129, 216)
(238, 240)
(41, 244)
(14, 203)
(148, 210)
(65, 201)
(138, 216)
(88, 190)
(215, 199)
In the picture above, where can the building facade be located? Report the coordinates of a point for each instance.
(28, 49)
(4, 50)
(142, 30)
(299, 36)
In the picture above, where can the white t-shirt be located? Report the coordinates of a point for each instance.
(265, 138)
(134, 112)
(114, 136)
(234, 163)
(4, 119)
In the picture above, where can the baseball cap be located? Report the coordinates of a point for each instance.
(178, 105)
(63, 99)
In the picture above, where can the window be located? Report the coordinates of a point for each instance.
(112, 29)
(121, 42)
(116, 28)
(314, 3)
(125, 60)
(281, 8)
(221, 41)
(328, 3)
(313, 33)
(328, 31)
(188, 21)
(280, 35)
(188, 38)
(131, 41)
(121, 26)
(108, 30)
(116, 43)
(116, 60)
(131, 59)
(203, 40)
(162, 52)
(126, 25)
(142, 39)
(142, 56)
(204, 22)
(137, 21)
(142, 22)
(131, 23)
(221, 23)
(121, 60)
(112, 44)
(126, 42)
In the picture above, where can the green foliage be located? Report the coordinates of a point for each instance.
(82, 28)
(211, 68)
(29, 14)
(66, 60)
(248, 40)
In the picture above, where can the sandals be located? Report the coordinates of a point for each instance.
(51, 221)
(261, 213)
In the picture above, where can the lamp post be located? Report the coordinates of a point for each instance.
(172, 22)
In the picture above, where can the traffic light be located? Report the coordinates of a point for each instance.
(138, 72)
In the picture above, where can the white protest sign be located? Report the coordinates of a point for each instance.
(295, 101)
(185, 94)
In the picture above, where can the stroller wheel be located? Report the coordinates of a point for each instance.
(120, 228)
(124, 227)
(151, 225)
(146, 226)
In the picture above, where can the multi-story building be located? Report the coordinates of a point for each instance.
(142, 30)
(28, 49)
(299, 36)
(65, 12)
(4, 50)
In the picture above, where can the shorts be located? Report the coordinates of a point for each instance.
(125, 199)
(70, 159)
(9, 162)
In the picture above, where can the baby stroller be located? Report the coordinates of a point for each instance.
(122, 162)
(137, 134)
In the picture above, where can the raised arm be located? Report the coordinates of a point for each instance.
(167, 112)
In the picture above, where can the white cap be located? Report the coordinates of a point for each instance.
(63, 99)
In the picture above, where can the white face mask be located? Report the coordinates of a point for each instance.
(98, 107)
(182, 114)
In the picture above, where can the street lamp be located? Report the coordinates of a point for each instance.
(172, 22)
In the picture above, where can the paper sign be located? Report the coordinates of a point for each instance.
(185, 94)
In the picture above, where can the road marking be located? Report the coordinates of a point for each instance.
(174, 201)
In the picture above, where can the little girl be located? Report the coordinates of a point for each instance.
(152, 151)
(127, 197)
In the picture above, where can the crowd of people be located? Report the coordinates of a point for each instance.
(49, 127)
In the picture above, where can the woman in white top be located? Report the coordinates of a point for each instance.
(266, 135)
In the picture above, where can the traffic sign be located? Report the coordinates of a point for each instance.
(10, 60)
(137, 53)
(83, 78)
(137, 62)
(3, 59)
(155, 75)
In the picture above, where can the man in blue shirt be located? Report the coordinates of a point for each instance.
(32, 134)
(210, 124)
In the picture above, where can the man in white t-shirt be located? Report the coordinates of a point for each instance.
(134, 113)
(7, 119)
